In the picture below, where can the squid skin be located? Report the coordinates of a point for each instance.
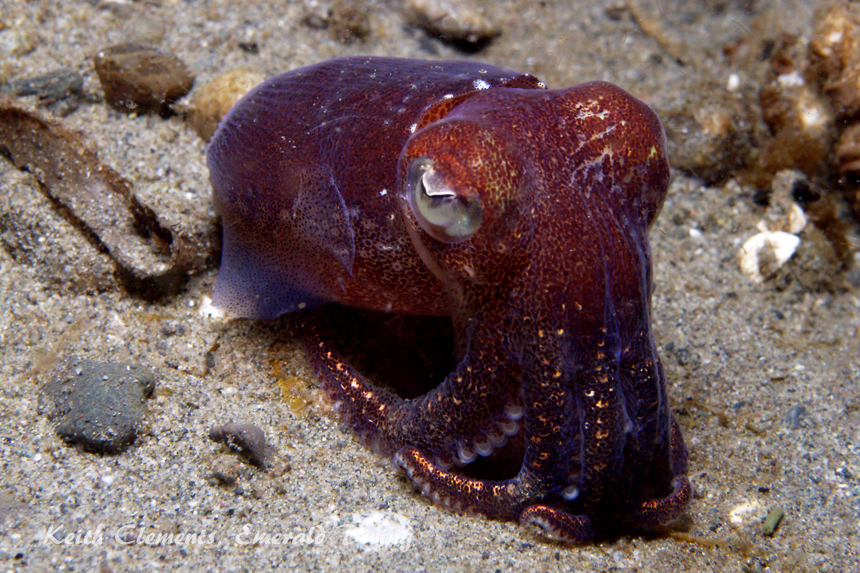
(465, 189)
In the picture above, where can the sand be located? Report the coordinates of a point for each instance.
(763, 377)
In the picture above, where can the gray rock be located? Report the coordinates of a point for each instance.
(246, 439)
(49, 87)
(99, 405)
(794, 418)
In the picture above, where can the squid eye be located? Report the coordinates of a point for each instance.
(442, 212)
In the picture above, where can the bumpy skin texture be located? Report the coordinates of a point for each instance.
(314, 175)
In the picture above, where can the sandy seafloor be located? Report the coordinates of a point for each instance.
(785, 361)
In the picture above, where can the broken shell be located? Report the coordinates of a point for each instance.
(763, 254)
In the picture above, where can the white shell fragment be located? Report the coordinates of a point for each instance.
(778, 238)
(762, 254)
(380, 529)
(745, 512)
(206, 309)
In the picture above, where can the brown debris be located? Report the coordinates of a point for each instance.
(153, 258)
(713, 138)
(847, 158)
(137, 78)
(797, 113)
(835, 49)
(835, 53)
(349, 21)
(848, 150)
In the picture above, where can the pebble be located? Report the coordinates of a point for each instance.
(246, 439)
(139, 78)
(772, 521)
(99, 405)
(217, 97)
(794, 418)
(452, 20)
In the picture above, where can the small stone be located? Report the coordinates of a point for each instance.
(772, 521)
(246, 439)
(217, 97)
(795, 416)
(137, 78)
(100, 405)
(452, 20)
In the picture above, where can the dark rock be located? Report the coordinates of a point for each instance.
(246, 439)
(99, 405)
(138, 78)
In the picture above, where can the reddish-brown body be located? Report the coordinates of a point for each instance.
(466, 189)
